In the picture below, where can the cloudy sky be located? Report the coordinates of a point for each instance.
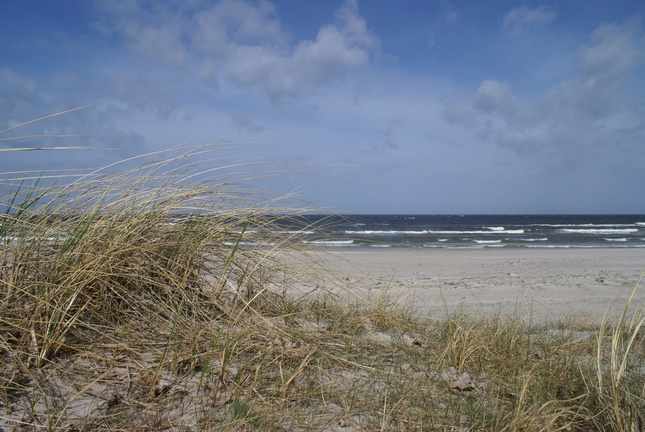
(412, 106)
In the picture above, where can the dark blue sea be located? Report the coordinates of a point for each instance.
(475, 231)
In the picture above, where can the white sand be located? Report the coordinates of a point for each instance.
(541, 284)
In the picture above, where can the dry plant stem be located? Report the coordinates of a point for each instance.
(616, 397)
(45, 118)
(155, 378)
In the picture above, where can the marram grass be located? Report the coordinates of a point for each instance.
(157, 294)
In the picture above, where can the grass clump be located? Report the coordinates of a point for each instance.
(128, 273)
(619, 392)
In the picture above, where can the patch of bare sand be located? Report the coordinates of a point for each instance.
(540, 284)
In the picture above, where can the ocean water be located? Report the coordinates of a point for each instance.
(475, 231)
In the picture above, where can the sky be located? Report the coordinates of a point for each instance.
(372, 106)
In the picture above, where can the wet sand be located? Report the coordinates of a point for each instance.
(540, 284)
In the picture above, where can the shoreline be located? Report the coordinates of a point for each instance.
(540, 284)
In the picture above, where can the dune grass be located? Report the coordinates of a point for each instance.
(162, 294)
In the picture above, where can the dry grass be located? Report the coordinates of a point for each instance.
(155, 296)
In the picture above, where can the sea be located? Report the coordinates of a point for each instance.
(473, 231)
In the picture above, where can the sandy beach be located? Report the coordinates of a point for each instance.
(540, 284)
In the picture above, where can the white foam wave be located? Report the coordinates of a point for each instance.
(505, 231)
(422, 232)
(488, 241)
(616, 239)
(600, 231)
(591, 225)
(496, 228)
(332, 242)
(581, 246)
(388, 232)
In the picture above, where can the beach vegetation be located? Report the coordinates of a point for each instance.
(161, 293)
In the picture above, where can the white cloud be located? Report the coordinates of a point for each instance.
(244, 43)
(337, 49)
(605, 65)
(450, 13)
(615, 51)
(522, 19)
(21, 101)
(13, 84)
(153, 32)
(247, 122)
(494, 96)
(459, 114)
(353, 26)
(229, 24)
(386, 139)
(331, 53)
(18, 98)
(576, 121)
(144, 92)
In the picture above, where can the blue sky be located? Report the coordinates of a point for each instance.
(393, 107)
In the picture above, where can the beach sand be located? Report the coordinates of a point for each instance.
(536, 284)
